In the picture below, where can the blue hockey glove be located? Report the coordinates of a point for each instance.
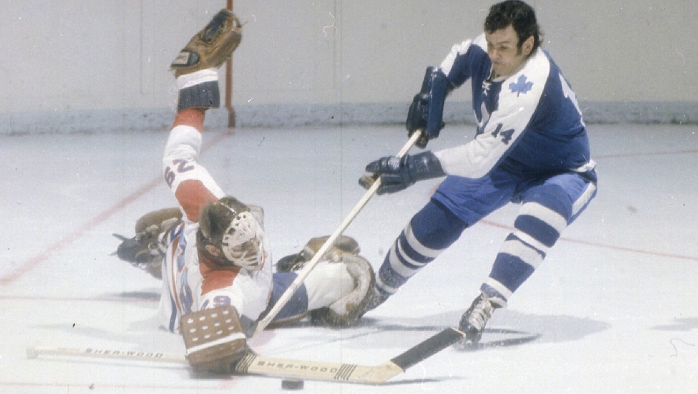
(426, 112)
(398, 173)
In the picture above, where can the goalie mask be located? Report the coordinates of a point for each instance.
(233, 229)
(242, 241)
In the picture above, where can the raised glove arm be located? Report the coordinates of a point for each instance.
(397, 174)
(426, 111)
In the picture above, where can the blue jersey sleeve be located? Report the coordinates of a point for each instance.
(465, 60)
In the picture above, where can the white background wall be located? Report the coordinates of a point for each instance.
(66, 62)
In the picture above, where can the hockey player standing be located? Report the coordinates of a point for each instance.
(530, 148)
(211, 251)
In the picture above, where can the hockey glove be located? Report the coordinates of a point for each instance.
(210, 47)
(426, 112)
(398, 173)
(214, 339)
(417, 119)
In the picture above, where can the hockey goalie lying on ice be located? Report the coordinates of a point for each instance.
(211, 252)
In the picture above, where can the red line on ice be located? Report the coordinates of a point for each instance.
(94, 222)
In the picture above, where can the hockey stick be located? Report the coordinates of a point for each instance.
(262, 324)
(253, 364)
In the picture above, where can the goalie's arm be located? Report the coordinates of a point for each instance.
(190, 182)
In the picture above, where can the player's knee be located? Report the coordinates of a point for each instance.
(544, 214)
(435, 227)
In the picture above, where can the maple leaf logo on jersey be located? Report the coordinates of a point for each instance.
(520, 86)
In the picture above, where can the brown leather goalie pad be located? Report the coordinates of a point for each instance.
(214, 339)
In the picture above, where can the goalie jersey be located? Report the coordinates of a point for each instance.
(190, 281)
(529, 123)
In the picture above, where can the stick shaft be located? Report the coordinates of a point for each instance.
(328, 243)
(35, 351)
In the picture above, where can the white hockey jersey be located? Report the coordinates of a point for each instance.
(191, 280)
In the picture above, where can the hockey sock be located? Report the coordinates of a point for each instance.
(431, 231)
(542, 218)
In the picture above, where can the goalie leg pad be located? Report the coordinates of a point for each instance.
(347, 311)
(163, 219)
(147, 248)
(214, 339)
(339, 287)
(341, 246)
(327, 283)
(343, 243)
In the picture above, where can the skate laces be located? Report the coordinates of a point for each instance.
(481, 312)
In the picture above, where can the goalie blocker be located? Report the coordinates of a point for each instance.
(214, 339)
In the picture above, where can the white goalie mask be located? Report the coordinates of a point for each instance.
(243, 242)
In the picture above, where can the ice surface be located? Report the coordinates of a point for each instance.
(612, 310)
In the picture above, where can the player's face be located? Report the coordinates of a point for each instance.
(503, 50)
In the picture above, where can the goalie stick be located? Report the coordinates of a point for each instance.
(253, 364)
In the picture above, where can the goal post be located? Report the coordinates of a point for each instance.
(229, 82)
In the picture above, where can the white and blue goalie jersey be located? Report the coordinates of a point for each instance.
(529, 123)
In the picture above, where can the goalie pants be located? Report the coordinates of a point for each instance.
(548, 206)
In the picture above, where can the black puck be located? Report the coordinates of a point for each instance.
(292, 384)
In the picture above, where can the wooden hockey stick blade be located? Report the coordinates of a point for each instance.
(316, 370)
(350, 373)
(253, 364)
(428, 348)
(281, 302)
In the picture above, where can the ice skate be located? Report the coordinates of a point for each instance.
(475, 318)
(375, 298)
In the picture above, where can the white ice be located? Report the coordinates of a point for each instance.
(614, 308)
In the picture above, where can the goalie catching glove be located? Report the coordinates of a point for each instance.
(399, 173)
(210, 47)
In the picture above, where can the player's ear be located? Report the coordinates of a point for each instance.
(213, 250)
(527, 46)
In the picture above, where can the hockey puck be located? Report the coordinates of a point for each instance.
(292, 384)
(31, 352)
